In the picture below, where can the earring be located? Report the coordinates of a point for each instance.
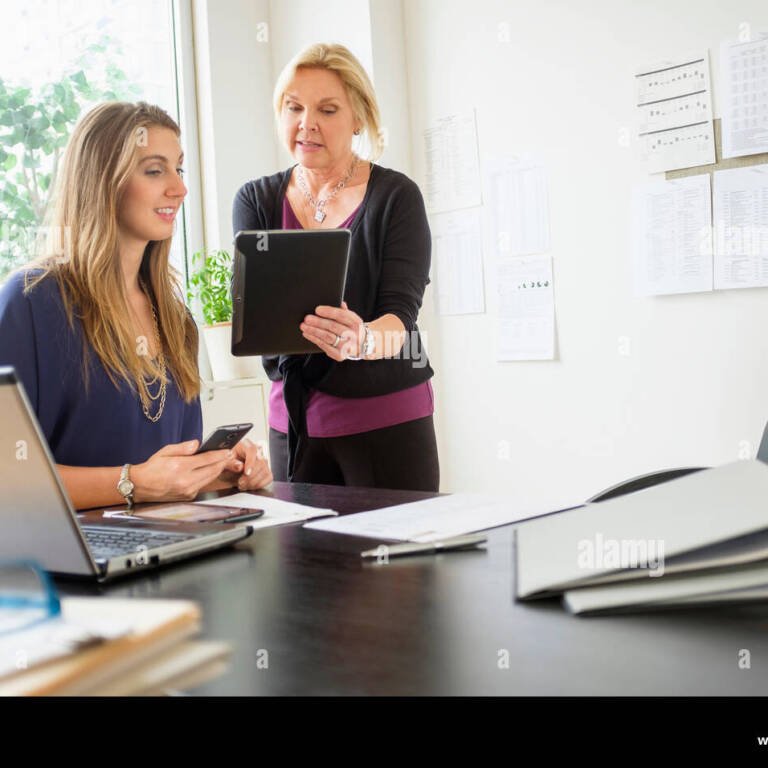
(357, 132)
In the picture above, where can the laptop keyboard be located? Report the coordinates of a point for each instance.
(111, 542)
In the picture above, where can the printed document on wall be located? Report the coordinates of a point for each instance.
(674, 113)
(672, 236)
(453, 163)
(744, 81)
(741, 227)
(518, 204)
(458, 263)
(526, 308)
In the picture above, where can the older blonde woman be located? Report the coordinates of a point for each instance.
(360, 413)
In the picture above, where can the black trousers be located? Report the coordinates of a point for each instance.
(402, 457)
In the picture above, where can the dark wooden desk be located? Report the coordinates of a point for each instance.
(332, 624)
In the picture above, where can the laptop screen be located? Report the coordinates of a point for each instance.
(38, 521)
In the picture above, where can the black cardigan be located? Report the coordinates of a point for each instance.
(389, 262)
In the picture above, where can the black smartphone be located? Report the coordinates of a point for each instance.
(225, 437)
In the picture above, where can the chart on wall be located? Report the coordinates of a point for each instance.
(526, 329)
(453, 163)
(457, 239)
(741, 227)
(744, 78)
(517, 201)
(674, 113)
(672, 236)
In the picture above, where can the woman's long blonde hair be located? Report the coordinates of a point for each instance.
(362, 96)
(80, 249)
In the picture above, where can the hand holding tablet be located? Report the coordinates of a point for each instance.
(337, 331)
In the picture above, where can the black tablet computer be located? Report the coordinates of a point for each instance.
(279, 277)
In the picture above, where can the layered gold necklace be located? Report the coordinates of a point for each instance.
(159, 378)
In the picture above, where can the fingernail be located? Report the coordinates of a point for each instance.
(248, 471)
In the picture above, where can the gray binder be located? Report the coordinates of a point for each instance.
(710, 520)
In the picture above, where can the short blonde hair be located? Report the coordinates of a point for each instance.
(339, 59)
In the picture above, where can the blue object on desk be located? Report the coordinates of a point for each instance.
(27, 596)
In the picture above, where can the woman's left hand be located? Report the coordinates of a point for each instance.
(337, 331)
(248, 469)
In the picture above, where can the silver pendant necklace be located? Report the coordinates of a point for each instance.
(319, 205)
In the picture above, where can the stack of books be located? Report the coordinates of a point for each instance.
(700, 539)
(106, 647)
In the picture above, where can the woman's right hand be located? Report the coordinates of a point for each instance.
(176, 473)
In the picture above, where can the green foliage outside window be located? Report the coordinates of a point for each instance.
(35, 125)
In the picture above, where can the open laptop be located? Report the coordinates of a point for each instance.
(37, 520)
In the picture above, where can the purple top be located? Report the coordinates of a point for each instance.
(329, 416)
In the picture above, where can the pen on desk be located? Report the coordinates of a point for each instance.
(454, 543)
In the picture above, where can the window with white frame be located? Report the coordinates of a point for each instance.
(58, 58)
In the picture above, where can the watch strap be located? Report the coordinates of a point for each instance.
(124, 478)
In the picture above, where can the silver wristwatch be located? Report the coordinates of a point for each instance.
(369, 344)
(125, 486)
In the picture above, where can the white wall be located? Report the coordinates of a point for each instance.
(695, 383)
(234, 75)
(691, 391)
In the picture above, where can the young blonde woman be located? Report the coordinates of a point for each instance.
(97, 329)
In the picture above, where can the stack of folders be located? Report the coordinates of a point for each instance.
(106, 647)
(700, 539)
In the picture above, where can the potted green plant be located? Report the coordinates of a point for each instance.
(209, 290)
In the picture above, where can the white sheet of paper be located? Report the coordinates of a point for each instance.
(457, 242)
(674, 113)
(741, 227)
(526, 325)
(276, 511)
(453, 163)
(518, 206)
(672, 236)
(434, 519)
(744, 82)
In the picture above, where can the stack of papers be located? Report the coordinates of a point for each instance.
(105, 647)
(434, 519)
(702, 538)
